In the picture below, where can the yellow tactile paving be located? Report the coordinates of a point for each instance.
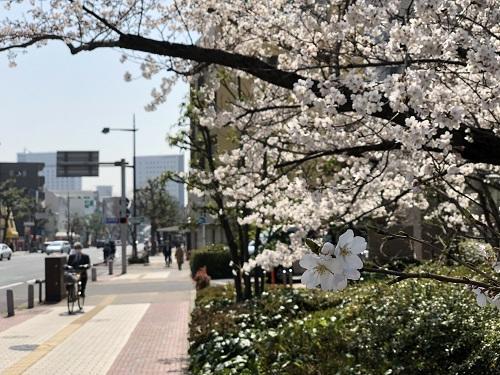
(19, 341)
(56, 339)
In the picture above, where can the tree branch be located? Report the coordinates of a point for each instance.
(432, 276)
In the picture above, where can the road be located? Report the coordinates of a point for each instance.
(26, 267)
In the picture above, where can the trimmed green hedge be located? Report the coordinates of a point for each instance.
(412, 327)
(216, 258)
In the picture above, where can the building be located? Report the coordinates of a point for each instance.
(26, 176)
(149, 167)
(52, 182)
(70, 204)
(104, 191)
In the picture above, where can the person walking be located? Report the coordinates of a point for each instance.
(106, 251)
(179, 256)
(167, 253)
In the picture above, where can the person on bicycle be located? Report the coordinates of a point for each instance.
(80, 262)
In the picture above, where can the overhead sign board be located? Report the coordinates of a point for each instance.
(77, 163)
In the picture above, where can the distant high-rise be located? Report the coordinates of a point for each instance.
(104, 191)
(149, 167)
(52, 182)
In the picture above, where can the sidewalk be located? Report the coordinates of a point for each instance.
(135, 323)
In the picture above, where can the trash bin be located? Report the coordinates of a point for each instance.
(54, 278)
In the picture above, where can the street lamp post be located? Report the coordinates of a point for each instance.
(134, 212)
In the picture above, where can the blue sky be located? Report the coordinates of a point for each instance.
(55, 101)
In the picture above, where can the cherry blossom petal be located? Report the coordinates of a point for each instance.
(328, 248)
(310, 279)
(309, 261)
(358, 245)
(352, 274)
(327, 281)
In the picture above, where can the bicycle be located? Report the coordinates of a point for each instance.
(73, 288)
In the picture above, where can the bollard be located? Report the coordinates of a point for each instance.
(94, 274)
(110, 267)
(31, 296)
(10, 302)
(39, 282)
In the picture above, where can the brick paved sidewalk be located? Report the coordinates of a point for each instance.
(131, 325)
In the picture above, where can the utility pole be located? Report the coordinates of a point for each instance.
(123, 217)
(134, 211)
(68, 215)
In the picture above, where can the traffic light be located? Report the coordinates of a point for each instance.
(124, 220)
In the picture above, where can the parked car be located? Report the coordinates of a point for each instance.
(58, 247)
(44, 246)
(5, 252)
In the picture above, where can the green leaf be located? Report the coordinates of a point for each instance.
(311, 244)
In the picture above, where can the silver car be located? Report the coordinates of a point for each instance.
(58, 247)
(5, 252)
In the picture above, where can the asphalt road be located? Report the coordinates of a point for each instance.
(24, 268)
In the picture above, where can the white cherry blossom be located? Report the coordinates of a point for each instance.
(320, 270)
(348, 250)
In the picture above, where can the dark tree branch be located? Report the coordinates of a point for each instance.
(432, 276)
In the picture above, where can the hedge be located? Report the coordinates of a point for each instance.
(216, 258)
(412, 327)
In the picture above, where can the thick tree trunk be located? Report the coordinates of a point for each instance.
(258, 270)
(245, 256)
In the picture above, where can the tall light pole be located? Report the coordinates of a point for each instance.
(134, 212)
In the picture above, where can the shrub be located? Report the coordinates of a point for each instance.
(223, 334)
(216, 258)
(412, 327)
(202, 279)
(476, 252)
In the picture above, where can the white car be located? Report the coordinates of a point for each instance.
(58, 247)
(5, 252)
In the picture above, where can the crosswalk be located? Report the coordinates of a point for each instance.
(143, 276)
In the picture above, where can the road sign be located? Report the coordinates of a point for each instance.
(29, 224)
(136, 220)
(77, 163)
(111, 220)
(202, 220)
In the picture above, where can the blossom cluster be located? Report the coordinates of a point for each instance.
(334, 265)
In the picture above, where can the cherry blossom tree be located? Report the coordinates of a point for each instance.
(361, 109)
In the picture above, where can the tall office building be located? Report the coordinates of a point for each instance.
(104, 191)
(149, 167)
(52, 182)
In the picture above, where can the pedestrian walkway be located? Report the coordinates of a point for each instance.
(132, 324)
